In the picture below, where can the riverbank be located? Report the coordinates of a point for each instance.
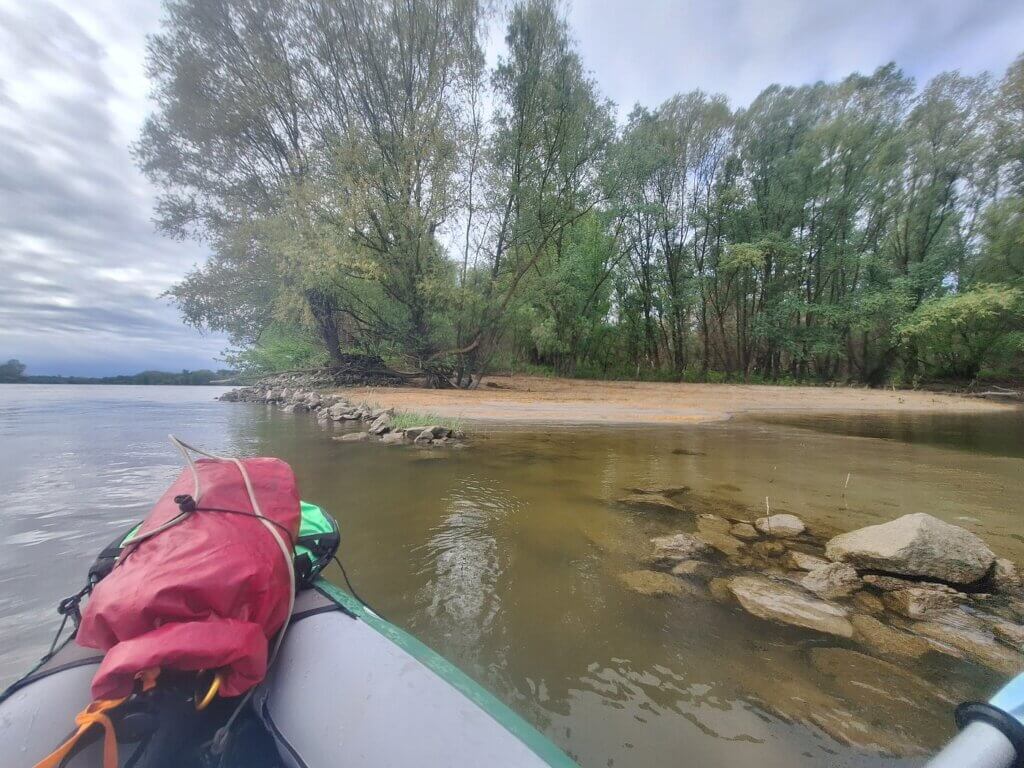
(532, 400)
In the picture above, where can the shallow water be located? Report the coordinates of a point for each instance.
(506, 557)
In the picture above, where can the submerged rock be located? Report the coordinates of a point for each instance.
(921, 601)
(713, 524)
(789, 604)
(1009, 633)
(877, 685)
(915, 545)
(970, 635)
(653, 501)
(678, 547)
(769, 548)
(698, 569)
(868, 603)
(884, 639)
(780, 526)
(393, 438)
(744, 531)
(832, 581)
(353, 437)
(801, 561)
(652, 583)
(724, 543)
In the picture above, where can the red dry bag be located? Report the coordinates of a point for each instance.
(205, 584)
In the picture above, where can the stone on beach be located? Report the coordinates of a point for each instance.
(393, 438)
(381, 424)
(781, 526)
(915, 545)
(789, 604)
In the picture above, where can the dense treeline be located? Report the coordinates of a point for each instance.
(366, 183)
(13, 372)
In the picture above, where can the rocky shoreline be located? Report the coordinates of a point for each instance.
(301, 393)
(906, 588)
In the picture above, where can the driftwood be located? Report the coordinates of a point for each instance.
(998, 393)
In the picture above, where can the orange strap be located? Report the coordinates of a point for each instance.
(94, 714)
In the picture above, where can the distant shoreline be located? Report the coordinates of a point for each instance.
(101, 382)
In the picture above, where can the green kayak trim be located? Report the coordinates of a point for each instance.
(538, 743)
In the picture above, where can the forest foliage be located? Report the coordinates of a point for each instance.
(367, 182)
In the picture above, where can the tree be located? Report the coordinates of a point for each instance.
(12, 370)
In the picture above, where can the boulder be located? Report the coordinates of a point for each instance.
(381, 424)
(970, 635)
(338, 410)
(393, 438)
(920, 602)
(801, 561)
(744, 531)
(832, 581)
(1005, 577)
(789, 604)
(353, 437)
(780, 526)
(917, 545)
(312, 400)
(652, 583)
(678, 547)
(425, 437)
(884, 639)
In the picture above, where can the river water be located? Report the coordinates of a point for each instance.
(506, 557)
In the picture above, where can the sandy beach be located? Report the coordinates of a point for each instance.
(531, 399)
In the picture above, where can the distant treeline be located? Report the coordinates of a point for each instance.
(13, 372)
(368, 182)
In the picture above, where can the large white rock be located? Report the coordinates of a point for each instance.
(789, 604)
(915, 545)
(780, 526)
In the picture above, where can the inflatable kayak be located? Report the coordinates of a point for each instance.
(182, 656)
(381, 698)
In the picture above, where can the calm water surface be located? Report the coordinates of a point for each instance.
(505, 557)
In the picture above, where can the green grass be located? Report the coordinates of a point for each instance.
(406, 419)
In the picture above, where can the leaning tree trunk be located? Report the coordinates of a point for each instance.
(324, 311)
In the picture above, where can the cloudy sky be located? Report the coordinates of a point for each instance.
(81, 267)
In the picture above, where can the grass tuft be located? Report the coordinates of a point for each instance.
(406, 419)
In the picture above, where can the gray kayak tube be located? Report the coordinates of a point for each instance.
(348, 688)
(991, 733)
(38, 711)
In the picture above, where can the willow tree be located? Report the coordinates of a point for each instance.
(312, 144)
